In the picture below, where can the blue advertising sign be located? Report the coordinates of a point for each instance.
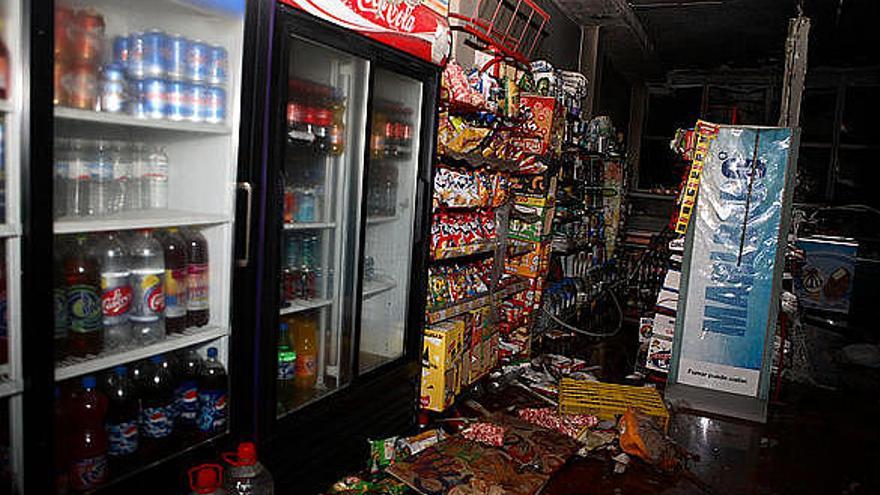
(733, 261)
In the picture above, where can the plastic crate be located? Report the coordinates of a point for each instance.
(608, 400)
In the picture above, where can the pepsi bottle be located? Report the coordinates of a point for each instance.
(157, 407)
(213, 388)
(189, 369)
(121, 422)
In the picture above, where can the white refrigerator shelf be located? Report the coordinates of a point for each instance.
(118, 119)
(71, 367)
(141, 219)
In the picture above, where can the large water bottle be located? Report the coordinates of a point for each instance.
(62, 174)
(121, 187)
(78, 179)
(147, 314)
(156, 179)
(116, 292)
(245, 475)
(100, 167)
(134, 200)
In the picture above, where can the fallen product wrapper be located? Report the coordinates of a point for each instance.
(458, 466)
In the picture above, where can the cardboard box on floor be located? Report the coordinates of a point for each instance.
(442, 354)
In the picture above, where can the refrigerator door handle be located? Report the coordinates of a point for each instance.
(421, 188)
(246, 257)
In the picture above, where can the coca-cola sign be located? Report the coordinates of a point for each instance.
(413, 26)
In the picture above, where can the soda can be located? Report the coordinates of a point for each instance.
(137, 107)
(121, 51)
(63, 27)
(196, 100)
(154, 98)
(175, 56)
(154, 53)
(113, 96)
(215, 105)
(136, 56)
(197, 61)
(178, 104)
(217, 65)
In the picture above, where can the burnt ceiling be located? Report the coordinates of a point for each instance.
(646, 38)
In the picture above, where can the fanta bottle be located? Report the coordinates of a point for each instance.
(88, 441)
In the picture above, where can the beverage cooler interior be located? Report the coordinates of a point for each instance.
(330, 195)
(322, 162)
(391, 197)
(11, 381)
(146, 99)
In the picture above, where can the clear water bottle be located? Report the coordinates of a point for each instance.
(155, 179)
(62, 173)
(100, 168)
(134, 200)
(78, 179)
(116, 292)
(121, 187)
(147, 314)
(245, 475)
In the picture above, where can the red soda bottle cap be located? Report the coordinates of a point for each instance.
(205, 478)
(245, 455)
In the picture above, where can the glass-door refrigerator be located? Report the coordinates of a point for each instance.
(349, 149)
(142, 164)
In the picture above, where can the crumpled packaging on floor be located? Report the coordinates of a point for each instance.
(642, 437)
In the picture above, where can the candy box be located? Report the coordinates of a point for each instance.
(531, 264)
(441, 364)
(531, 219)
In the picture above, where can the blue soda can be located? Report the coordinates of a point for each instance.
(154, 98)
(215, 105)
(178, 105)
(197, 61)
(154, 53)
(137, 107)
(217, 65)
(136, 56)
(197, 96)
(175, 56)
(121, 51)
(113, 96)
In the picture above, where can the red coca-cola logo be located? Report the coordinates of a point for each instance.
(396, 14)
(116, 301)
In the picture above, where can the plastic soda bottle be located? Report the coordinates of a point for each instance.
(212, 395)
(157, 406)
(245, 475)
(186, 395)
(197, 297)
(88, 441)
(147, 283)
(206, 479)
(305, 344)
(83, 283)
(286, 367)
(116, 293)
(174, 248)
(59, 296)
(122, 415)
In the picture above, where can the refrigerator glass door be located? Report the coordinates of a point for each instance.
(321, 171)
(390, 209)
(146, 108)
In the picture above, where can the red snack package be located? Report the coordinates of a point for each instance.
(485, 433)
